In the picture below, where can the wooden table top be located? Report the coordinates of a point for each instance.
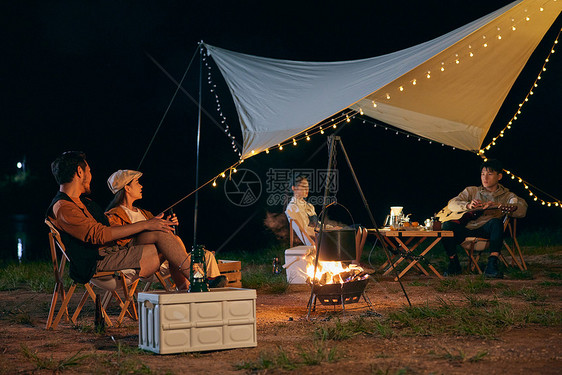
(412, 233)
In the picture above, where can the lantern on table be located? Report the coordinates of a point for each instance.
(198, 270)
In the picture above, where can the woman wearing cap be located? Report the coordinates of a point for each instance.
(125, 186)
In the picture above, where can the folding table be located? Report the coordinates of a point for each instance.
(403, 244)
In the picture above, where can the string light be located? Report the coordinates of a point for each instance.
(223, 120)
(456, 60)
(530, 92)
(344, 117)
(527, 186)
(400, 132)
(486, 41)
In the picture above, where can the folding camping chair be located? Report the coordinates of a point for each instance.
(295, 228)
(475, 246)
(163, 277)
(126, 280)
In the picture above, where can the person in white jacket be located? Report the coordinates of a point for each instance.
(485, 206)
(303, 213)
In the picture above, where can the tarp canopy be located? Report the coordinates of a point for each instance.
(448, 89)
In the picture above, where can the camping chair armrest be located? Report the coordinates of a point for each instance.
(291, 221)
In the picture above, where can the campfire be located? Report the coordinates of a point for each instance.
(334, 272)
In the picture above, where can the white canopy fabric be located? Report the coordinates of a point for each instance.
(448, 89)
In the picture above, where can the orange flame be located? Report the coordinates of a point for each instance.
(329, 272)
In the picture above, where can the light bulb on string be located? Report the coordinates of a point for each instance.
(526, 99)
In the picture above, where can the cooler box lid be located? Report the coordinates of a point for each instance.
(216, 294)
(298, 250)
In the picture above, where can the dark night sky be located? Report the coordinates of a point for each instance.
(76, 75)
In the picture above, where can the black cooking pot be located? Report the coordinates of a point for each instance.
(337, 245)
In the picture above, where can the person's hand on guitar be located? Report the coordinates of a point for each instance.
(475, 204)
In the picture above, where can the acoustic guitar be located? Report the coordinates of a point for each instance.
(464, 216)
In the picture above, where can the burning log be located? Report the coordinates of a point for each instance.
(334, 273)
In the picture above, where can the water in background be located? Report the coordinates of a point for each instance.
(23, 237)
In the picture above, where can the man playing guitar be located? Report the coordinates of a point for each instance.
(485, 206)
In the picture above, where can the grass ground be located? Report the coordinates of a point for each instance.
(464, 324)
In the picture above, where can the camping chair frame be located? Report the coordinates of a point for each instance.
(59, 264)
(165, 279)
(474, 246)
(292, 233)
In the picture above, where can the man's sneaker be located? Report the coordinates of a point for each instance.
(454, 267)
(217, 282)
(492, 268)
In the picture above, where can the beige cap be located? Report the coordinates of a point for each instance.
(122, 177)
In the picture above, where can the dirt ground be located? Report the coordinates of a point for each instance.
(281, 325)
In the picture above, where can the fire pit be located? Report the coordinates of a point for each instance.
(336, 294)
(345, 287)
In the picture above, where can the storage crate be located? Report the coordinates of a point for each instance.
(177, 322)
(232, 269)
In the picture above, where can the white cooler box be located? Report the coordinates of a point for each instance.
(176, 322)
(295, 264)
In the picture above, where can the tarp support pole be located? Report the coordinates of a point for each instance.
(196, 205)
(373, 222)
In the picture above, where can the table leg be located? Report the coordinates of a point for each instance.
(403, 245)
(435, 242)
(415, 261)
